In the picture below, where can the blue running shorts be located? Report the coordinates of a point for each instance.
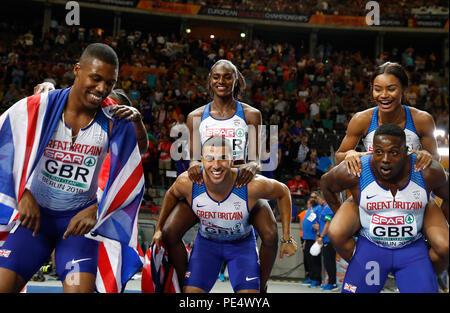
(25, 254)
(208, 256)
(371, 264)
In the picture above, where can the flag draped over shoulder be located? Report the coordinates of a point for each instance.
(119, 260)
(25, 130)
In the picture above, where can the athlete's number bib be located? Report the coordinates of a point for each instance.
(73, 177)
(393, 229)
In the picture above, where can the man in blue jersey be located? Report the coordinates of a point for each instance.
(223, 209)
(59, 203)
(392, 201)
(309, 226)
(329, 254)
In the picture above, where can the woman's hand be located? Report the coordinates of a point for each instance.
(195, 173)
(353, 161)
(246, 174)
(124, 111)
(423, 160)
(43, 87)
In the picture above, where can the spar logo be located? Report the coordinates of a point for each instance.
(409, 219)
(224, 132)
(89, 161)
(65, 157)
(401, 227)
(240, 132)
(382, 220)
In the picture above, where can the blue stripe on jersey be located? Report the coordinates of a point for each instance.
(103, 121)
(373, 122)
(240, 111)
(197, 190)
(241, 192)
(417, 177)
(366, 176)
(409, 120)
(205, 113)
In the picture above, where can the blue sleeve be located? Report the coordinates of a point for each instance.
(328, 211)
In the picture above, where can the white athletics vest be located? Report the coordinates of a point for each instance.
(388, 221)
(66, 177)
(234, 128)
(412, 138)
(222, 221)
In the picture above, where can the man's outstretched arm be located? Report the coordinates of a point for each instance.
(270, 189)
(176, 192)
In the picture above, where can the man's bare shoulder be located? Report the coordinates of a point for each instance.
(339, 175)
(258, 179)
(183, 182)
(434, 173)
(259, 184)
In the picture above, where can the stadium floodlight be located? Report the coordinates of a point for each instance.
(243, 35)
(188, 30)
(439, 133)
(212, 36)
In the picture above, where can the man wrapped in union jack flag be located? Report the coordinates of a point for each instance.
(52, 148)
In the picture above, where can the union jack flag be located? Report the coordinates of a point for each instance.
(20, 151)
(350, 288)
(158, 274)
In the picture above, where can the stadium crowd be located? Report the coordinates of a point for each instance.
(390, 9)
(310, 97)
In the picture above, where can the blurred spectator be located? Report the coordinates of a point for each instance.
(328, 253)
(301, 217)
(298, 186)
(11, 96)
(303, 149)
(309, 235)
(148, 205)
(299, 190)
(180, 131)
(325, 163)
(164, 161)
(309, 168)
(150, 159)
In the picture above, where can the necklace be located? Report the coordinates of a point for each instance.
(74, 136)
(222, 113)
